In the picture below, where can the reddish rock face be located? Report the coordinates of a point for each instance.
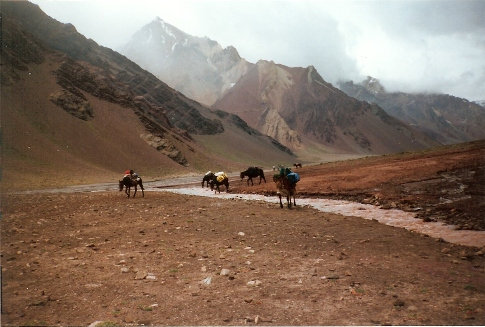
(297, 107)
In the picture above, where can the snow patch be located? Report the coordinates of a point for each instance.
(150, 36)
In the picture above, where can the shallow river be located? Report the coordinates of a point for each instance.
(190, 185)
(392, 217)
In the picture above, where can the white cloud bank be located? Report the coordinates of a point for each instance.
(410, 45)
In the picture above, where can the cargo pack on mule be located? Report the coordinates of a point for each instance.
(218, 179)
(286, 181)
(289, 174)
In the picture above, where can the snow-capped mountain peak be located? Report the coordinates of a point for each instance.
(196, 66)
(373, 85)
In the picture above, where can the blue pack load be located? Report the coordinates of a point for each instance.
(285, 171)
(293, 177)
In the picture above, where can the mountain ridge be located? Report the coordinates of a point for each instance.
(96, 113)
(276, 107)
(196, 84)
(179, 58)
(443, 117)
(297, 106)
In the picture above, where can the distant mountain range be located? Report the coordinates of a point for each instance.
(480, 103)
(444, 118)
(73, 108)
(299, 109)
(292, 105)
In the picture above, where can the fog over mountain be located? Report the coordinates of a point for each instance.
(198, 67)
(444, 118)
(411, 46)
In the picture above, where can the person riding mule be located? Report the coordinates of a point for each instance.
(131, 173)
(131, 179)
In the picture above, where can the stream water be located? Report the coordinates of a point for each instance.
(190, 185)
(391, 217)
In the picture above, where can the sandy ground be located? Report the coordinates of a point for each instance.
(73, 258)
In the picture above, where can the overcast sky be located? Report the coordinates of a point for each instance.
(409, 45)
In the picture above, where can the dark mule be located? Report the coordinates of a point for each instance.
(286, 188)
(297, 165)
(129, 183)
(253, 172)
(207, 178)
(214, 182)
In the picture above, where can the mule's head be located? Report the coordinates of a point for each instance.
(121, 186)
(243, 173)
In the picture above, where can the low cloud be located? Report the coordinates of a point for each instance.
(410, 45)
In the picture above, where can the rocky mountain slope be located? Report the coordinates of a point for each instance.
(74, 110)
(198, 67)
(445, 118)
(294, 106)
(299, 109)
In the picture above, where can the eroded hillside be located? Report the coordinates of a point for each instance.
(298, 108)
(75, 111)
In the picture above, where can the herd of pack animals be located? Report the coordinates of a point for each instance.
(286, 186)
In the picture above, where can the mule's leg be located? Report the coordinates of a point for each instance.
(136, 187)
(142, 189)
(294, 201)
(127, 191)
(252, 184)
(288, 200)
(281, 203)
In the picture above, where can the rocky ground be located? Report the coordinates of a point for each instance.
(445, 184)
(168, 259)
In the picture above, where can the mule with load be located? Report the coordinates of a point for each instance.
(217, 180)
(286, 184)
